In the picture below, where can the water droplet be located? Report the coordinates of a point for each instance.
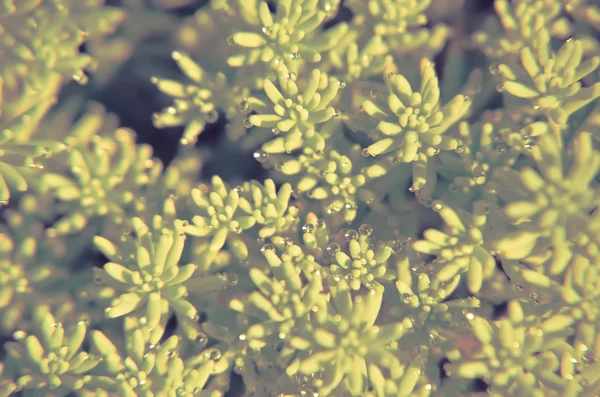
(212, 116)
(500, 87)
(230, 40)
(435, 340)
(214, 354)
(232, 279)
(247, 123)
(195, 317)
(243, 337)
(351, 235)
(365, 230)
(341, 83)
(460, 149)
(365, 152)
(437, 205)
(267, 247)
(412, 189)
(308, 228)
(261, 156)
(395, 245)
(333, 248)
(337, 114)
(501, 148)
(275, 131)
(494, 69)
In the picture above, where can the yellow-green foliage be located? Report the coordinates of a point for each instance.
(429, 195)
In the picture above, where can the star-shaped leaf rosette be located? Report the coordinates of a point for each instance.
(553, 207)
(363, 263)
(422, 299)
(42, 40)
(48, 360)
(459, 247)
(147, 274)
(568, 307)
(295, 114)
(147, 368)
(289, 35)
(351, 353)
(413, 124)
(109, 179)
(517, 25)
(332, 179)
(391, 17)
(401, 24)
(356, 62)
(469, 170)
(269, 207)
(219, 215)
(551, 81)
(198, 102)
(518, 358)
(20, 158)
(283, 300)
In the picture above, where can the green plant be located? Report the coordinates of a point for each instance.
(425, 220)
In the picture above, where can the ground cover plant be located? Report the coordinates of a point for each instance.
(299, 198)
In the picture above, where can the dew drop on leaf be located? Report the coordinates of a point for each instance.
(437, 205)
(308, 228)
(333, 248)
(351, 235)
(365, 230)
(261, 156)
(267, 247)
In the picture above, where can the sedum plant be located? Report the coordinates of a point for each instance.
(382, 198)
